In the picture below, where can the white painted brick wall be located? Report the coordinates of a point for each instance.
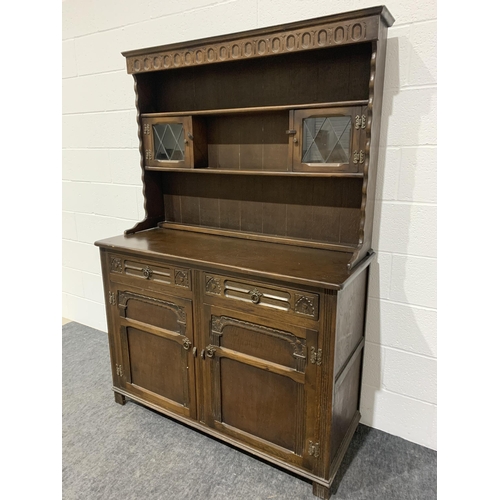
(102, 190)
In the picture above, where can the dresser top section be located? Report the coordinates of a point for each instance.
(286, 263)
(347, 28)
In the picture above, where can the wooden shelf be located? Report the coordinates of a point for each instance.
(247, 235)
(257, 109)
(358, 175)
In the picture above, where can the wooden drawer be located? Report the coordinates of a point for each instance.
(148, 271)
(264, 296)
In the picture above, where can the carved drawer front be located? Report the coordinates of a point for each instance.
(281, 299)
(150, 271)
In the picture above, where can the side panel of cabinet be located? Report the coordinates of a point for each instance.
(154, 338)
(110, 303)
(260, 385)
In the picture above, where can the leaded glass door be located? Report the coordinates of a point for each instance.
(167, 142)
(329, 139)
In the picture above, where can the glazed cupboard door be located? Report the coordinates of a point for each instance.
(260, 387)
(154, 337)
(329, 139)
(174, 142)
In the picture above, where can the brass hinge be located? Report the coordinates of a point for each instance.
(360, 122)
(112, 298)
(149, 154)
(315, 356)
(119, 370)
(314, 449)
(146, 129)
(358, 157)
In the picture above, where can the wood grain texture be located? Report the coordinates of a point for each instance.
(350, 325)
(306, 266)
(336, 74)
(316, 210)
(237, 305)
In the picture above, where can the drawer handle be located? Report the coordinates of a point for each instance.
(147, 272)
(255, 296)
(210, 351)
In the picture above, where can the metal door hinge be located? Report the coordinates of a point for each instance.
(313, 449)
(358, 157)
(119, 370)
(360, 122)
(112, 298)
(149, 154)
(315, 356)
(146, 129)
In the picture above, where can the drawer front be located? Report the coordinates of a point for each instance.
(264, 296)
(143, 270)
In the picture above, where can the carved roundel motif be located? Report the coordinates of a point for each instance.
(306, 40)
(213, 285)
(357, 31)
(339, 34)
(116, 265)
(322, 38)
(290, 42)
(248, 50)
(305, 306)
(211, 55)
(182, 278)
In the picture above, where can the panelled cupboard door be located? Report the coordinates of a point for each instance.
(260, 387)
(155, 338)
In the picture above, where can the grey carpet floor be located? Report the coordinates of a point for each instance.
(130, 452)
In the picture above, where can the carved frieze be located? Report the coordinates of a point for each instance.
(293, 40)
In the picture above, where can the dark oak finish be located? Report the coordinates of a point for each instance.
(237, 306)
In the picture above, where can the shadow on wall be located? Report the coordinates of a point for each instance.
(376, 412)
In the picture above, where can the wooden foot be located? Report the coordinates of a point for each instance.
(119, 398)
(321, 491)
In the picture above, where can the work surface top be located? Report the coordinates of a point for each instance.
(300, 265)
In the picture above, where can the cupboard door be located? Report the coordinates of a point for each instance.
(155, 336)
(329, 139)
(166, 142)
(260, 386)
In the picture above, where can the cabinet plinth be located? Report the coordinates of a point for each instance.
(237, 306)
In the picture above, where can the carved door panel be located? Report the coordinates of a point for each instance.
(260, 383)
(155, 339)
